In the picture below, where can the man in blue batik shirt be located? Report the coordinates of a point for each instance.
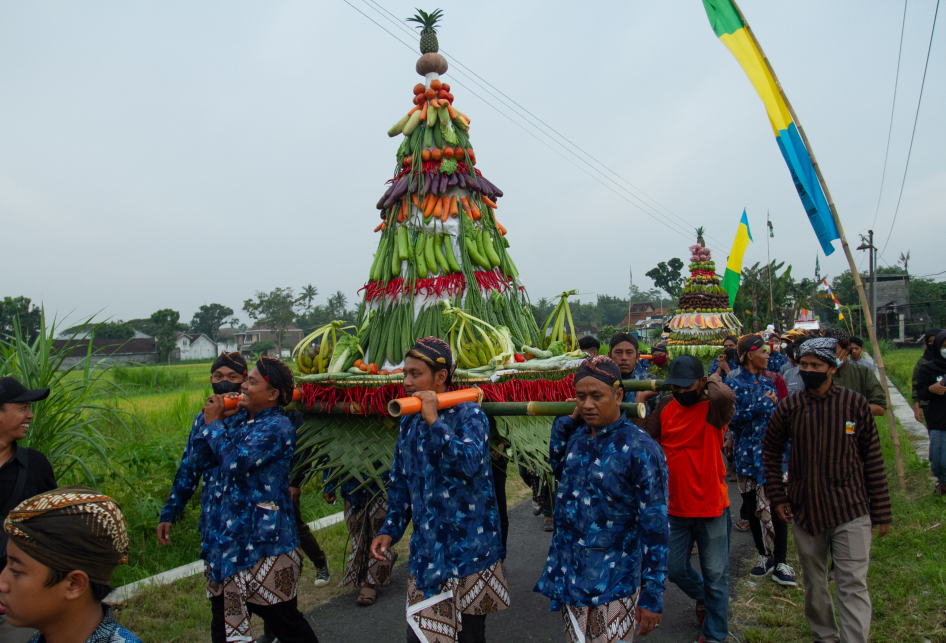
(607, 564)
(253, 558)
(727, 362)
(227, 374)
(624, 351)
(442, 480)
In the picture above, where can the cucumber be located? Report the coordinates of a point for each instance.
(438, 137)
(475, 254)
(417, 136)
(395, 261)
(402, 242)
(481, 244)
(429, 255)
(419, 253)
(448, 253)
(431, 117)
(490, 249)
(373, 274)
(438, 253)
(428, 138)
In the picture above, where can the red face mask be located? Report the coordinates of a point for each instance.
(660, 359)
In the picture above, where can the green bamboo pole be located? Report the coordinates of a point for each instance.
(550, 408)
(645, 385)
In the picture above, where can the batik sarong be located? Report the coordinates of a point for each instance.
(763, 510)
(612, 622)
(363, 526)
(272, 580)
(439, 618)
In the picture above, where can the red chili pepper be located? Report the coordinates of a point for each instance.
(519, 357)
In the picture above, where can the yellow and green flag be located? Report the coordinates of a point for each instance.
(734, 263)
(732, 30)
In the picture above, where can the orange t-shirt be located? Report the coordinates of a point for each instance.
(697, 472)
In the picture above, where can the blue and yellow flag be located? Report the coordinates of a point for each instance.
(734, 263)
(730, 28)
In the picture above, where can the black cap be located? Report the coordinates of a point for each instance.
(12, 391)
(684, 370)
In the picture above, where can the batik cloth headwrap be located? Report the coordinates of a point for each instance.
(71, 528)
(234, 361)
(749, 343)
(623, 337)
(602, 369)
(820, 347)
(436, 353)
(838, 334)
(278, 375)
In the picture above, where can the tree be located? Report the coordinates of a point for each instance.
(336, 305)
(667, 277)
(275, 310)
(30, 318)
(165, 326)
(307, 295)
(209, 318)
(114, 330)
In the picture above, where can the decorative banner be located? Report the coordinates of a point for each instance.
(730, 28)
(837, 304)
(734, 263)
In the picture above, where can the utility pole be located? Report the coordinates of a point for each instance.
(768, 255)
(868, 244)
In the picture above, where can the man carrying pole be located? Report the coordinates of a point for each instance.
(442, 480)
(607, 563)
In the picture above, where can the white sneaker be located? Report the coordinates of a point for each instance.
(784, 575)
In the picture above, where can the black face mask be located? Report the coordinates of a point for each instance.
(812, 379)
(223, 387)
(730, 354)
(687, 398)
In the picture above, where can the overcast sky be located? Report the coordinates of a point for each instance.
(172, 154)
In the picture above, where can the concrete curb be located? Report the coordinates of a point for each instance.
(129, 591)
(904, 413)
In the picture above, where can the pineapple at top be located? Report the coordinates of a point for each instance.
(428, 35)
(699, 236)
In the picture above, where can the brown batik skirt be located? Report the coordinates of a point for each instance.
(439, 618)
(363, 526)
(609, 623)
(270, 581)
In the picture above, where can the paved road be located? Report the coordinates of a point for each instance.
(528, 619)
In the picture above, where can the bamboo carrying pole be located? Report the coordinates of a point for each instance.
(232, 400)
(878, 358)
(632, 410)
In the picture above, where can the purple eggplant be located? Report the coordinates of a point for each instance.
(384, 197)
(452, 180)
(412, 184)
(462, 180)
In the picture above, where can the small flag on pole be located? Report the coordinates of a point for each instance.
(771, 231)
(817, 269)
(732, 31)
(734, 263)
(837, 304)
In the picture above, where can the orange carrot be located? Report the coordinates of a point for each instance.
(414, 200)
(423, 113)
(453, 206)
(465, 117)
(380, 227)
(438, 207)
(451, 111)
(445, 202)
(502, 229)
(488, 202)
(413, 109)
(476, 211)
(466, 208)
(429, 204)
(434, 102)
(402, 215)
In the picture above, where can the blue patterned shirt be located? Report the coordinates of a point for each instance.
(733, 365)
(108, 631)
(776, 362)
(642, 366)
(442, 479)
(254, 518)
(753, 410)
(197, 460)
(631, 396)
(611, 526)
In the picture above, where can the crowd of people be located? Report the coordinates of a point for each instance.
(629, 503)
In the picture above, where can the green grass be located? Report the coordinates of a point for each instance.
(899, 365)
(907, 577)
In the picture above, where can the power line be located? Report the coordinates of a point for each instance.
(395, 19)
(915, 117)
(656, 215)
(892, 108)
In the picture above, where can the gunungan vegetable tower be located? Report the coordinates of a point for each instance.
(703, 317)
(441, 247)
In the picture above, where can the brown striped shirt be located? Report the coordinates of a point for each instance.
(835, 467)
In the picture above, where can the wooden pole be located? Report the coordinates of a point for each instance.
(878, 358)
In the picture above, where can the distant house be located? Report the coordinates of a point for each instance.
(244, 338)
(643, 311)
(67, 334)
(138, 350)
(582, 331)
(194, 346)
